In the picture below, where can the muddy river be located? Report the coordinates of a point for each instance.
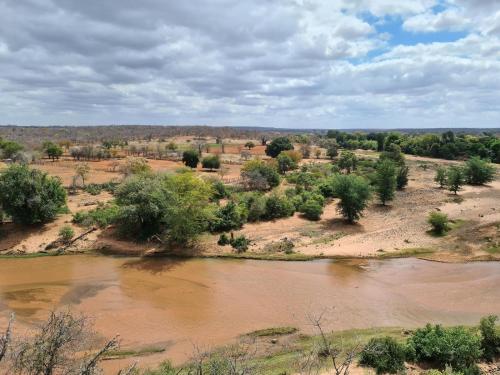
(178, 303)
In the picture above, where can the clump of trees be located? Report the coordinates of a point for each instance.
(277, 145)
(353, 193)
(30, 196)
(259, 175)
(478, 171)
(9, 149)
(52, 150)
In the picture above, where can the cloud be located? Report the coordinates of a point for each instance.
(294, 63)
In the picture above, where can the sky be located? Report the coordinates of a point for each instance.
(281, 63)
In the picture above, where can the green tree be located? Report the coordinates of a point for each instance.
(278, 145)
(285, 163)
(229, 217)
(332, 149)
(354, 193)
(440, 177)
(9, 148)
(311, 209)
(249, 145)
(478, 171)
(259, 175)
(211, 162)
(30, 196)
(53, 150)
(191, 158)
(82, 170)
(347, 161)
(454, 179)
(278, 206)
(386, 181)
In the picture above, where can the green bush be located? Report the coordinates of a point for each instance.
(439, 222)
(256, 207)
(386, 180)
(66, 233)
(220, 190)
(402, 177)
(490, 342)
(93, 189)
(211, 162)
(455, 346)
(191, 158)
(240, 243)
(478, 171)
(285, 163)
(229, 217)
(312, 209)
(259, 175)
(440, 177)
(278, 206)
(30, 196)
(384, 354)
(101, 216)
(454, 179)
(223, 240)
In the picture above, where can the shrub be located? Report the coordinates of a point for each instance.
(256, 205)
(66, 233)
(478, 171)
(101, 216)
(347, 161)
(240, 243)
(277, 145)
(384, 354)
(30, 196)
(354, 193)
(278, 206)
(312, 209)
(135, 165)
(211, 162)
(93, 189)
(259, 175)
(386, 180)
(440, 177)
(223, 240)
(439, 222)
(402, 177)
(191, 158)
(454, 179)
(490, 341)
(454, 346)
(285, 163)
(220, 190)
(231, 216)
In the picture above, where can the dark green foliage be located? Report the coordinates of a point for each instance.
(312, 209)
(221, 191)
(30, 196)
(440, 177)
(175, 206)
(223, 240)
(278, 206)
(478, 172)
(386, 180)
(93, 189)
(53, 150)
(454, 179)
(240, 243)
(402, 177)
(229, 217)
(354, 193)
(277, 145)
(439, 222)
(9, 148)
(285, 163)
(490, 341)
(393, 152)
(256, 206)
(384, 354)
(101, 216)
(66, 233)
(455, 346)
(191, 158)
(211, 162)
(332, 149)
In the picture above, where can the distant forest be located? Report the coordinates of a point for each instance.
(35, 135)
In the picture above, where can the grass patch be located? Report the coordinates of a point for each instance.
(28, 255)
(274, 331)
(494, 250)
(265, 256)
(406, 253)
(125, 353)
(328, 238)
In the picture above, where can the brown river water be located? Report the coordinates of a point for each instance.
(175, 303)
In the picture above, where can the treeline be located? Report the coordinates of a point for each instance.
(447, 145)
